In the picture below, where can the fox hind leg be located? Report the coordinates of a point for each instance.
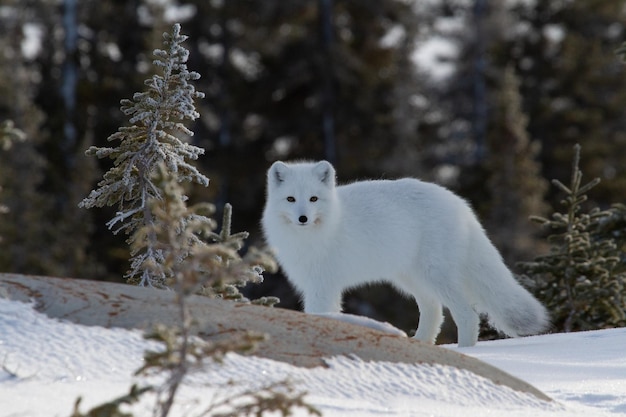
(467, 323)
(431, 318)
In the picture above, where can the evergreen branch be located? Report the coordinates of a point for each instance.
(562, 187)
(112, 408)
(278, 397)
(585, 188)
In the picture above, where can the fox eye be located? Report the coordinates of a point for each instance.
(291, 199)
(313, 199)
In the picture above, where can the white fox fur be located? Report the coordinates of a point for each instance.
(418, 236)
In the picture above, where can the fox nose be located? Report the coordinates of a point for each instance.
(302, 219)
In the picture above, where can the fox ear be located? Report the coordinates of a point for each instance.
(325, 172)
(277, 173)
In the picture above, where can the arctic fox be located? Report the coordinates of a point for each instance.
(418, 236)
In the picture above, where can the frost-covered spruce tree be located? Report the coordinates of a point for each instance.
(157, 116)
(580, 281)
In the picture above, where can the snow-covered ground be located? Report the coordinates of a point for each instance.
(46, 364)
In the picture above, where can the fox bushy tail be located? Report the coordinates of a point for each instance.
(510, 307)
(514, 311)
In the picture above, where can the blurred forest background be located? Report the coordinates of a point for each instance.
(484, 97)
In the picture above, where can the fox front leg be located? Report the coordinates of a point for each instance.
(322, 299)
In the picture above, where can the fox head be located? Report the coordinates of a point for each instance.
(303, 193)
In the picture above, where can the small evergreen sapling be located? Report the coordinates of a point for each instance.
(157, 115)
(195, 259)
(256, 259)
(579, 281)
(189, 265)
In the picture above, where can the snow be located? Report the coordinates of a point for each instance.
(45, 364)
(365, 322)
(585, 368)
